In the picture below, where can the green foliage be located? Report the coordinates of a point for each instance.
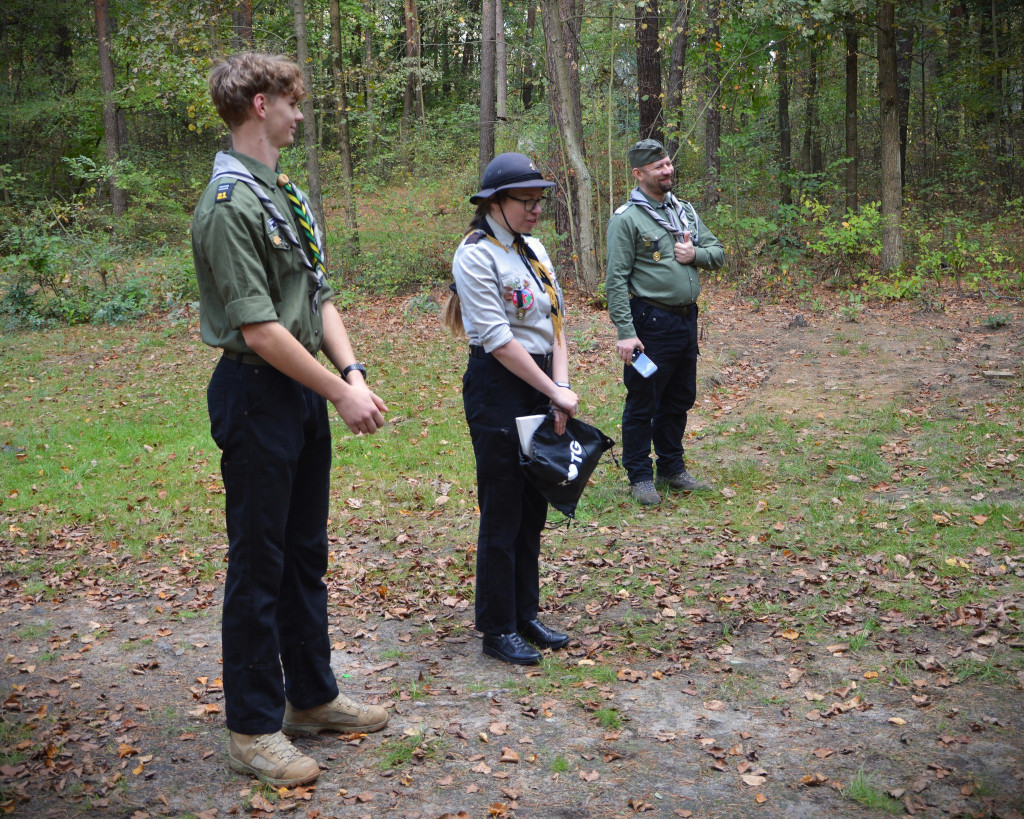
(67, 278)
(848, 247)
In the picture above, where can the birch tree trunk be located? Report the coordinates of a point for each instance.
(889, 123)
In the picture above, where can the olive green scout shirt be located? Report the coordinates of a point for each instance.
(248, 271)
(642, 263)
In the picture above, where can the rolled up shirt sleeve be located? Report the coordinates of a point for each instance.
(481, 296)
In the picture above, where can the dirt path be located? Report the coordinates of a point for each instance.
(112, 691)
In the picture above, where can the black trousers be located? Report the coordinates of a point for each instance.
(656, 407)
(512, 512)
(275, 443)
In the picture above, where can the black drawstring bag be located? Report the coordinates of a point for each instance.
(561, 465)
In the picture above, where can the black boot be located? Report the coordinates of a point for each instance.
(542, 636)
(510, 648)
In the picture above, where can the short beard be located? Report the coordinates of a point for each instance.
(666, 186)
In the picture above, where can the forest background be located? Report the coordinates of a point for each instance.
(837, 630)
(876, 148)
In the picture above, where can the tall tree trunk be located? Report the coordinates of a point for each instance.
(904, 58)
(572, 133)
(500, 63)
(680, 31)
(531, 22)
(308, 116)
(467, 49)
(712, 113)
(567, 35)
(648, 69)
(487, 83)
(852, 147)
(785, 131)
(351, 239)
(241, 25)
(368, 77)
(412, 103)
(889, 123)
(810, 153)
(118, 200)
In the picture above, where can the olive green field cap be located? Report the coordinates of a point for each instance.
(645, 152)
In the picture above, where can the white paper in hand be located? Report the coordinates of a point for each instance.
(527, 425)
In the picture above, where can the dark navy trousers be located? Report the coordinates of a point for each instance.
(656, 407)
(512, 511)
(275, 442)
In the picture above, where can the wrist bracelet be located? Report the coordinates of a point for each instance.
(563, 384)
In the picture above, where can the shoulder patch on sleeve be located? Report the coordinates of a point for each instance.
(224, 191)
(622, 208)
(475, 237)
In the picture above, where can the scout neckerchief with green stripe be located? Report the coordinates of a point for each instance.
(538, 272)
(227, 166)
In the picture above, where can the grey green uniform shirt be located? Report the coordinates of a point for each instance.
(642, 262)
(247, 269)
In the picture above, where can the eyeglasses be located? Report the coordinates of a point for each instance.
(531, 204)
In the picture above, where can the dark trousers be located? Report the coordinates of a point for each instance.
(656, 407)
(275, 443)
(512, 512)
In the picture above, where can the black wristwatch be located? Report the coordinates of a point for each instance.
(351, 367)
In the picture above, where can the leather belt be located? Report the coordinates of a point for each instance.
(246, 358)
(543, 359)
(676, 309)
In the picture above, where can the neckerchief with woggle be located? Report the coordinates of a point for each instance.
(640, 201)
(226, 166)
(540, 274)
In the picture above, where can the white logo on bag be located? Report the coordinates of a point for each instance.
(575, 457)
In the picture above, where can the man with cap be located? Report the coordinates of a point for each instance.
(264, 300)
(656, 247)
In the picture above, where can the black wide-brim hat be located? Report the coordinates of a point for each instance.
(509, 171)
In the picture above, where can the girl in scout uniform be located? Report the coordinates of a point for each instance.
(509, 305)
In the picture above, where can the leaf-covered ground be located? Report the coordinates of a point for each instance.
(712, 674)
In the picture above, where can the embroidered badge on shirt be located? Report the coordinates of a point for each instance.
(224, 191)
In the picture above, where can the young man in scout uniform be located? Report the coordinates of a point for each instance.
(656, 246)
(264, 300)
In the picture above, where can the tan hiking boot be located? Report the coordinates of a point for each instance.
(271, 758)
(340, 714)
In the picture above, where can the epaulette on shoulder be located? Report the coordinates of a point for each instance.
(225, 190)
(623, 208)
(474, 236)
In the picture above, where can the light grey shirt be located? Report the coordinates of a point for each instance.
(482, 270)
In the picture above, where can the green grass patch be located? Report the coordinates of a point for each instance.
(863, 790)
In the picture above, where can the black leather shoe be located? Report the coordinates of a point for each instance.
(542, 636)
(510, 648)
